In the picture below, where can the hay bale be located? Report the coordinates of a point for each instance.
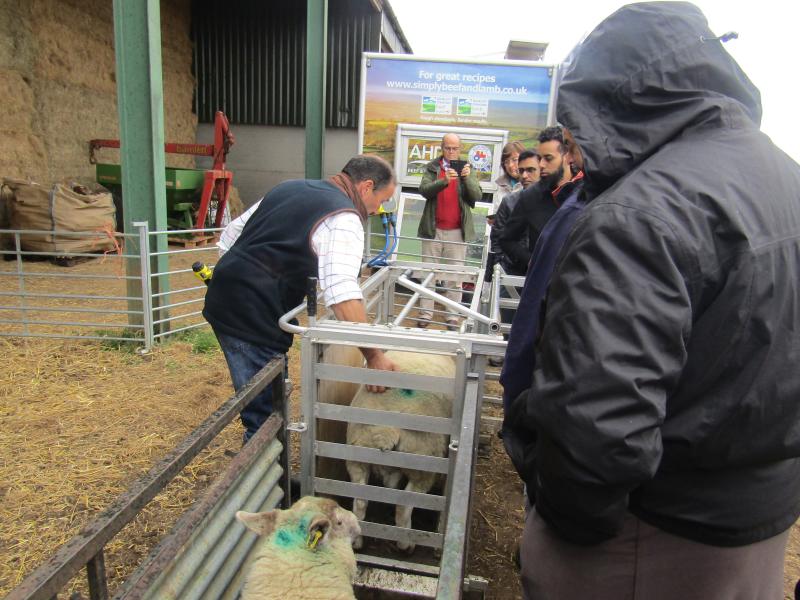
(75, 50)
(57, 64)
(235, 206)
(18, 144)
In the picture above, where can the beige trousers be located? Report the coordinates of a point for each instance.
(447, 254)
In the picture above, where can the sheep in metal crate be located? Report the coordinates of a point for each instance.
(306, 552)
(393, 438)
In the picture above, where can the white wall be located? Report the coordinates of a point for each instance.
(264, 156)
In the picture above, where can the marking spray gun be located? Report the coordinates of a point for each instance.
(203, 272)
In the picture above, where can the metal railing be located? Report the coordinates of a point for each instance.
(176, 294)
(87, 547)
(140, 291)
(131, 287)
(474, 252)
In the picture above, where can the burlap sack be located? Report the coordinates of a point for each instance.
(64, 207)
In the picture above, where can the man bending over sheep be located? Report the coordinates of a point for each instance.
(301, 228)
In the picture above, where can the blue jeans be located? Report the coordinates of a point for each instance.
(245, 360)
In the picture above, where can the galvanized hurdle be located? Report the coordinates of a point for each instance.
(500, 300)
(206, 554)
(477, 339)
(504, 294)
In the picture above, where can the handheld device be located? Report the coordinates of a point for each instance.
(458, 165)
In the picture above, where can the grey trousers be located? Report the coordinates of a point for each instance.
(645, 563)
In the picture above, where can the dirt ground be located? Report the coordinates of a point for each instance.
(79, 421)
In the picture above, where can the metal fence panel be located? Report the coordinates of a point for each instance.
(87, 295)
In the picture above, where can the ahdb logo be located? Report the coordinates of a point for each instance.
(480, 157)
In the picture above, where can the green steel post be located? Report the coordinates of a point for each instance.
(140, 101)
(316, 66)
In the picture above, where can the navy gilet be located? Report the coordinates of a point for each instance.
(263, 276)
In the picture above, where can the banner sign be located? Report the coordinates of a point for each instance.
(509, 95)
(417, 145)
(421, 151)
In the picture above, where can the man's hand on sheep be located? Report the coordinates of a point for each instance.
(354, 311)
(376, 359)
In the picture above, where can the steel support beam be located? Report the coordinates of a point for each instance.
(140, 102)
(316, 66)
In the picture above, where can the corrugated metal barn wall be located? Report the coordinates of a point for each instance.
(249, 60)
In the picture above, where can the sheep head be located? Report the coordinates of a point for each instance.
(311, 523)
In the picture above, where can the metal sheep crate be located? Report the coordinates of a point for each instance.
(438, 573)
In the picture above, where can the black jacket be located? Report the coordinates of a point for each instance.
(501, 218)
(667, 378)
(264, 275)
(519, 233)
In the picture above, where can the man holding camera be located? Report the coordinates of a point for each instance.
(450, 189)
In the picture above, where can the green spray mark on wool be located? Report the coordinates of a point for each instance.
(296, 535)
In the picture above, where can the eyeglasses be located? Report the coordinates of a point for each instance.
(530, 170)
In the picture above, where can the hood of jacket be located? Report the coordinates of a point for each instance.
(649, 73)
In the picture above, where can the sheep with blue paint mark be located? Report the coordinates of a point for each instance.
(401, 440)
(305, 552)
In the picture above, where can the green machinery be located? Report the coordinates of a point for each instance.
(189, 191)
(184, 187)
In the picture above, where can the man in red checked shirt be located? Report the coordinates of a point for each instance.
(446, 221)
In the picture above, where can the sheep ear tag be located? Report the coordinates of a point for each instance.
(317, 530)
(313, 539)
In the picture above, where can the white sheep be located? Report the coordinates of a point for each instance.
(306, 552)
(336, 392)
(393, 438)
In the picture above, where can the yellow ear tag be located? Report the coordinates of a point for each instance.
(313, 539)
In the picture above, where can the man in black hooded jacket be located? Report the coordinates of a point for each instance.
(666, 392)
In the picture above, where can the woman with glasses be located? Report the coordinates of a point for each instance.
(509, 180)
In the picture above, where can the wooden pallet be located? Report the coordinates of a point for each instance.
(193, 241)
